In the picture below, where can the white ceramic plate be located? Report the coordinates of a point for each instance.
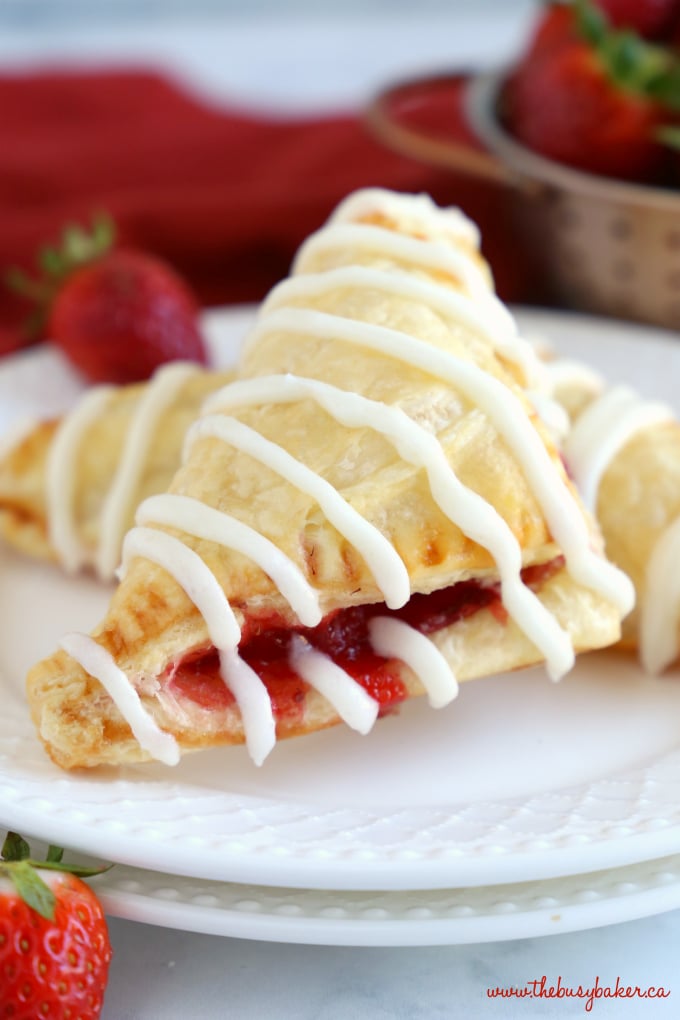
(518, 780)
(408, 918)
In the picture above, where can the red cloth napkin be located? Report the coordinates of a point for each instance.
(226, 196)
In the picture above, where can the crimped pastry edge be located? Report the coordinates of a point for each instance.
(81, 727)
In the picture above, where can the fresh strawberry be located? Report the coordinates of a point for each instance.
(597, 101)
(652, 19)
(554, 27)
(567, 109)
(116, 313)
(54, 944)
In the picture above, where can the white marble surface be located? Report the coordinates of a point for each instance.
(285, 64)
(159, 974)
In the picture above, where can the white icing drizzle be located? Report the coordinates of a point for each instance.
(476, 518)
(552, 414)
(504, 410)
(158, 395)
(435, 255)
(352, 703)
(99, 664)
(660, 605)
(394, 639)
(192, 574)
(202, 521)
(253, 701)
(61, 467)
(442, 251)
(419, 209)
(203, 588)
(565, 372)
(602, 430)
(485, 315)
(391, 638)
(386, 565)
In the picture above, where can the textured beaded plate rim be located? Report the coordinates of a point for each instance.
(407, 918)
(518, 781)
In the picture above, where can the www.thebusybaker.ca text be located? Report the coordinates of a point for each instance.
(540, 989)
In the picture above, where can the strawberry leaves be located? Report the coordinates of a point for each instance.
(16, 863)
(77, 247)
(32, 889)
(630, 61)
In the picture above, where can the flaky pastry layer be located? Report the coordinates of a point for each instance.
(24, 504)
(154, 621)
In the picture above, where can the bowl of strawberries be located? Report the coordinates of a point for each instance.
(583, 132)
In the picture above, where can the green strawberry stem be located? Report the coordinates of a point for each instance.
(669, 135)
(17, 864)
(31, 888)
(15, 848)
(77, 248)
(647, 69)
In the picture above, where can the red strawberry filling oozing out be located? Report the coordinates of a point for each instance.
(343, 636)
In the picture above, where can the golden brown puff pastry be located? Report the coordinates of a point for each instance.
(69, 487)
(624, 454)
(372, 510)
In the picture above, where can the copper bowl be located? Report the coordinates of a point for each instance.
(606, 246)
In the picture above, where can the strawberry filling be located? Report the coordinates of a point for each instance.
(342, 635)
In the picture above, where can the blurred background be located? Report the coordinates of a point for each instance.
(291, 54)
(219, 133)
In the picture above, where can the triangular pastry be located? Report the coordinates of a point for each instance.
(69, 487)
(372, 510)
(623, 452)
